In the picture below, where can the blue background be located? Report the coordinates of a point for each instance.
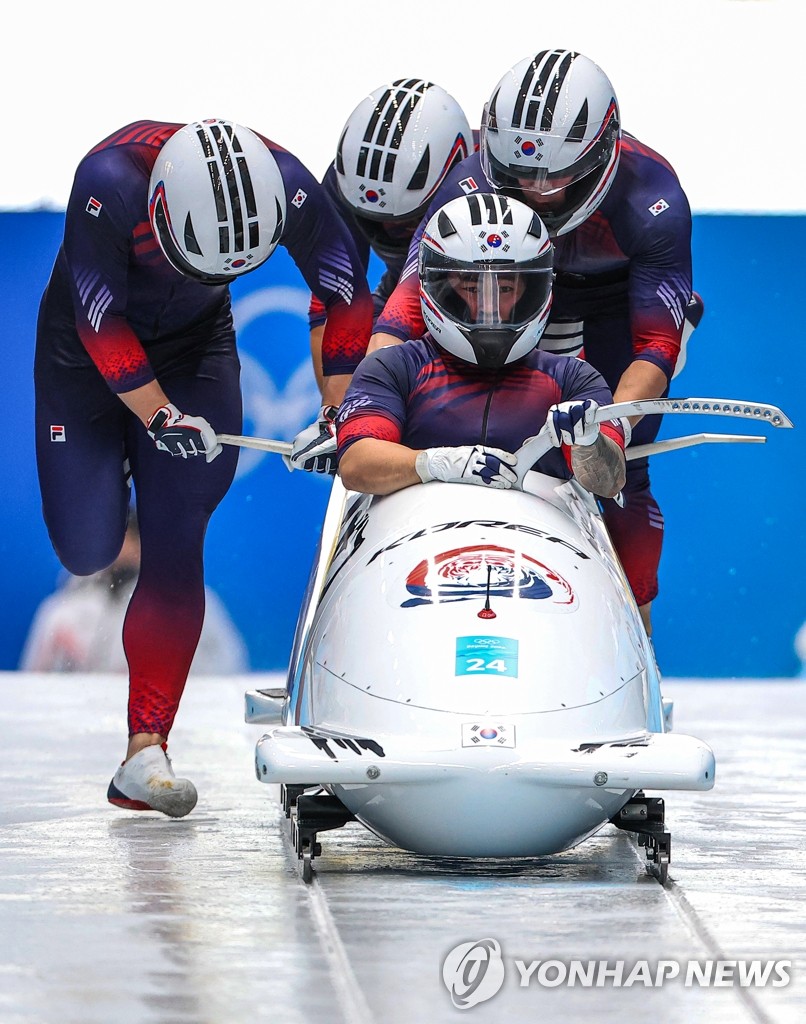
(732, 595)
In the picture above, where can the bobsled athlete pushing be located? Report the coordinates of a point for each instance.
(470, 675)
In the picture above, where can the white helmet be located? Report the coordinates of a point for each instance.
(216, 201)
(485, 278)
(396, 149)
(551, 136)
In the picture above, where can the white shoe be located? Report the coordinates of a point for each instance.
(146, 782)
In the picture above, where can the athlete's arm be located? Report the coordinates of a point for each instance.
(334, 388)
(316, 334)
(401, 317)
(96, 251)
(317, 311)
(660, 280)
(600, 467)
(145, 400)
(373, 466)
(641, 379)
(371, 420)
(326, 256)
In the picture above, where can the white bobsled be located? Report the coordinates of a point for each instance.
(471, 678)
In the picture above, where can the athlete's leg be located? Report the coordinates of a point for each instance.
(80, 429)
(637, 534)
(175, 499)
(637, 528)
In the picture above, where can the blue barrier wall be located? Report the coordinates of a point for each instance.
(731, 596)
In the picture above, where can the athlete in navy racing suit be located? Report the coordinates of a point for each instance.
(623, 282)
(394, 151)
(457, 404)
(118, 322)
(420, 396)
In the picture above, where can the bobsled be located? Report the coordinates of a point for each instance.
(470, 676)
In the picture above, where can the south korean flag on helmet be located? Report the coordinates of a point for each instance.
(394, 152)
(485, 266)
(551, 136)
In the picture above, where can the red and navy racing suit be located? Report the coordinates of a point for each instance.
(421, 396)
(623, 280)
(116, 315)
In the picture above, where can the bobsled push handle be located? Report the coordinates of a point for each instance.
(536, 447)
(671, 444)
(263, 444)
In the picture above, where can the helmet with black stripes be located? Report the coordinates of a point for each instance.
(486, 270)
(393, 154)
(216, 201)
(551, 136)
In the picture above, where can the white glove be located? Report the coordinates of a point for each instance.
(469, 464)
(572, 423)
(178, 434)
(314, 448)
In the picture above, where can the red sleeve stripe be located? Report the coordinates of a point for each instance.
(367, 425)
(615, 433)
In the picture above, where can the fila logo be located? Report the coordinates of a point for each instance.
(93, 206)
(299, 198)
(469, 185)
(57, 433)
(658, 207)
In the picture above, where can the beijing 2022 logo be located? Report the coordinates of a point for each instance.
(473, 972)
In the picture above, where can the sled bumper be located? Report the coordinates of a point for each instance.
(313, 756)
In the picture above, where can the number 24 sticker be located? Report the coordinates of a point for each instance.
(480, 665)
(486, 655)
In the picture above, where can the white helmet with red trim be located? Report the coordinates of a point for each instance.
(394, 152)
(486, 272)
(216, 201)
(551, 136)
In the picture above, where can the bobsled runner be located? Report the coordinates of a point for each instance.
(470, 676)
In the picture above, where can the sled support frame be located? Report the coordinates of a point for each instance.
(311, 813)
(645, 817)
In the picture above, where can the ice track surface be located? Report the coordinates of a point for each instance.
(114, 916)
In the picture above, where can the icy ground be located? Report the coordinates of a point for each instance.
(111, 916)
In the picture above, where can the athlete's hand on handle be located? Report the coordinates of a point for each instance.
(314, 448)
(178, 434)
(573, 423)
(468, 464)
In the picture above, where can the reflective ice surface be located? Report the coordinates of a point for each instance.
(113, 916)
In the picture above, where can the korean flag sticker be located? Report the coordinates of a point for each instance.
(487, 734)
(658, 207)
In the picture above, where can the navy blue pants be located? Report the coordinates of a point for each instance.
(84, 434)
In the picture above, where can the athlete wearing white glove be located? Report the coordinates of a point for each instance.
(596, 460)
(573, 423)
(314, 448)
(467, 464)
(174, 432)
(487, 312)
